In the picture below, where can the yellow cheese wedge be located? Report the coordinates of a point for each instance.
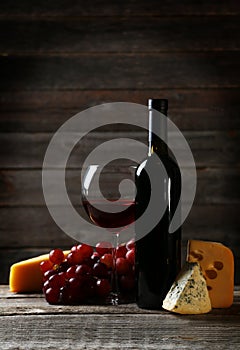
(26, 276)
(217, 263)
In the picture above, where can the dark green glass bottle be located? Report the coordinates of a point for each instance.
(158, 253)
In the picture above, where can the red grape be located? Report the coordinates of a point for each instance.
(46, 285)
(131, 244)
(63, 267)
(52, 295)
(85, 250)
(92, 287)
(107, 259)
(56, 256)
(95, 257)
(104, 248)
(62, 278)
(103, 287)
(57, 281)
(74, 283)
(131, 256)
(70, 259)
(88, 285)
(83, 270)
(74, 249)
(72, 293)
(100, 270)
(121, 251)
(71, 272)
(48, 274)
(122, 266)
(75, 257)
(78, 257)
(46, 265)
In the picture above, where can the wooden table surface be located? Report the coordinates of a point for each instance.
(28, 322)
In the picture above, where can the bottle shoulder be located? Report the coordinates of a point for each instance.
(152, 163)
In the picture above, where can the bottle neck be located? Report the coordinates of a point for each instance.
(157, 137)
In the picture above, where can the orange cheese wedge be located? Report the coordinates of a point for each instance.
(217, 263)
(26, 276)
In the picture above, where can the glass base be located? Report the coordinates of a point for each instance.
(114, 299)
(119, 298)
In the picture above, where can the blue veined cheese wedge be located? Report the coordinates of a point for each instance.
(189, 293)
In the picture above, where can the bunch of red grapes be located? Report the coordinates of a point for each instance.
(84, 276)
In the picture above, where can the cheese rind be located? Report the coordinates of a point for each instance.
(26, 276)
(188, 294)
(217, 263)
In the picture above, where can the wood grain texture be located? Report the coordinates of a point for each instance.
(39, 111)
(37, 325)
(20, 304)
(107, 331)
(27, 150)
(116, 8)
(91, 35)
(105, 71)
(34, 227)
(181, 99)
(24, 187)
(145, 333)
(27, 232)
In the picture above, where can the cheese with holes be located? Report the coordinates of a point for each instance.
(217, 263)
(188, 294)
(26, 276)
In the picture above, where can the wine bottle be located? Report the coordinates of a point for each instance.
(158, 252)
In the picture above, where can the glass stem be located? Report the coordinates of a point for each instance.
(115, 286)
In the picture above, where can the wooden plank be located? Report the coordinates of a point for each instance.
(27, 150)
(34, 314)
(216, 222)
(24, 187)
(117, 8)
(34, 304)
(10, 300)
(33, 227)
(20, 308)
(75, 100)
(120, 35)
(161, 331)
(38, 111)
(109, 71)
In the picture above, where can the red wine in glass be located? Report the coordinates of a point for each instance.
(100, 213)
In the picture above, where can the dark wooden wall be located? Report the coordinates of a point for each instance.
(59, 57)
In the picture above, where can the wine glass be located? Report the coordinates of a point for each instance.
(108, 196)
